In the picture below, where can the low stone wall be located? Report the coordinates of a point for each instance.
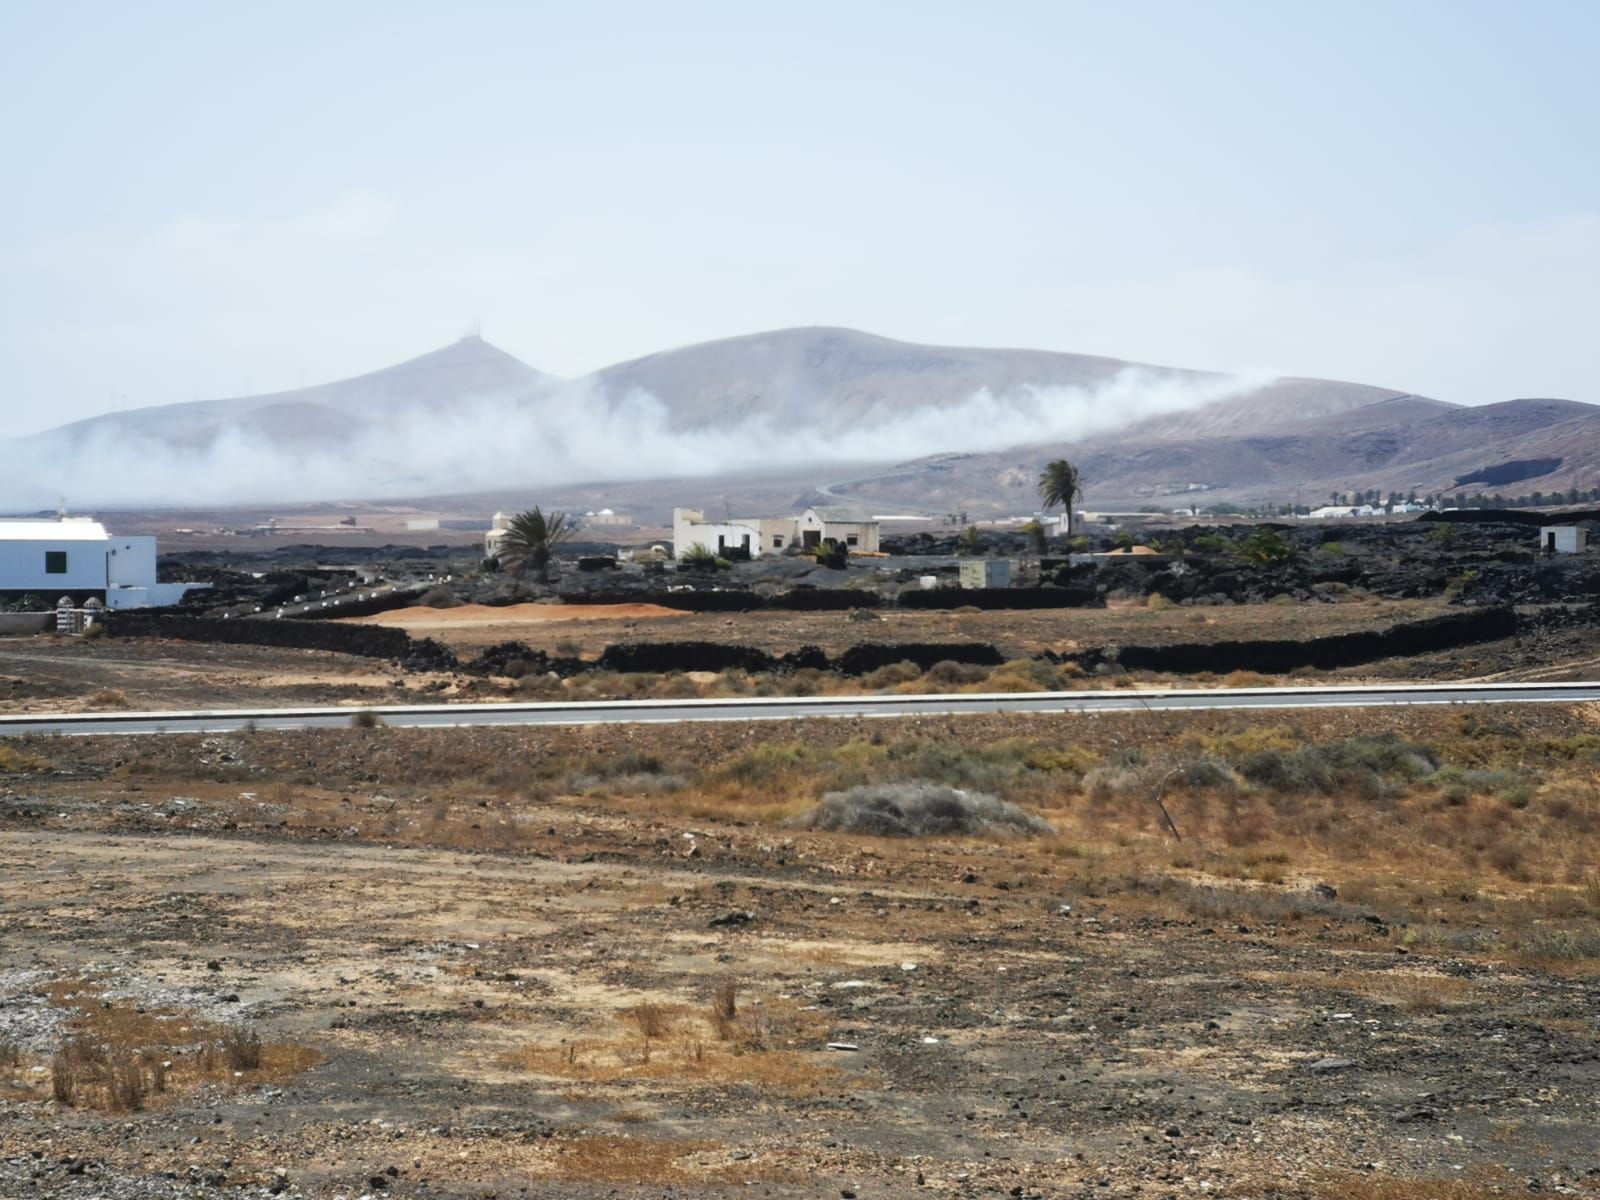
(23, 623)
(1001, 599)
(368, 641)
(1280, 656)
(1277, 656)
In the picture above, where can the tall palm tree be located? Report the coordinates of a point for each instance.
(531, 540)
(1058, 484)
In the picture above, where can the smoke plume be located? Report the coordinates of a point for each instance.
(568, 433)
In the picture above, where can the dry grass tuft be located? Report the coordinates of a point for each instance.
(616, 1158)
(1413, 993)
(116, 1055)
(1363, 1187)
(771, 1045)
(725, 1009)
(14, 760)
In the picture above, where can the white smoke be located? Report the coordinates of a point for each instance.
(569, 434)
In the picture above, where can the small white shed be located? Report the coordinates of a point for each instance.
(986, 573)
(1562, 539)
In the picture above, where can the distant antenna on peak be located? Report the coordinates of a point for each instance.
(61, 510)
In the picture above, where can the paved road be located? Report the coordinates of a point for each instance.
(783, 709)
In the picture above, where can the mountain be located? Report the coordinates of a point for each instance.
(1397, 444)
(842, 379)
(889, 423)
(325, 414)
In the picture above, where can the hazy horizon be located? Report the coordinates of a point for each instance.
(213, 202)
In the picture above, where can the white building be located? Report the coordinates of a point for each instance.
(838, 523)
(985, 573)
(499, 526)
(736, 536)
(1562, 539)
(76, 556)
(756, 536)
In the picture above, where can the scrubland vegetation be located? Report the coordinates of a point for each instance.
(804, 953)
(1460, 830)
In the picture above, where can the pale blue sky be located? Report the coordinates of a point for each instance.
(205, 199)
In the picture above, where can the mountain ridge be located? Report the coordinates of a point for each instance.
(968, 426)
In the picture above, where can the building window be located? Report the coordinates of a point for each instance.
(777, 541)
(852, 540)
(55, 562)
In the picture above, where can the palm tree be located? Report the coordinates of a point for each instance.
(531, 540)
(1058, 484)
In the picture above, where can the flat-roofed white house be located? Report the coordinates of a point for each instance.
(738, 537)
(1562, 539)
(756, 536)
(76, 556)
(839, 523)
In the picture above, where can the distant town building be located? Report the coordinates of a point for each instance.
(1562, 539)
(1340, 512)
(77, 557)
(838, 523)
(753, 537)
(499, 526)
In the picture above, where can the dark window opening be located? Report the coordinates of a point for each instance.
(55, 562)
(851, 539)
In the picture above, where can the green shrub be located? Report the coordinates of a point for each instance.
(892, 675)
(948, 673)
(1266, 547)
(1365, 764)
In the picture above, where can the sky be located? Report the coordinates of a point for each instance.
(206, 200)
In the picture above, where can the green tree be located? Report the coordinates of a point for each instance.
(1059, 484)
(531, 540)
(1035, 531)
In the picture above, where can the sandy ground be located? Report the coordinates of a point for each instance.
(466, 621)
(591, 628)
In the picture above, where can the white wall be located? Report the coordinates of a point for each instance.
(123, 569)
(1569, 538)
(689, 528)
(709, 533)
(22, 567)
(131, 562)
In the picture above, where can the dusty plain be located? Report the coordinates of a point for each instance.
(1361, 959)
(609, 962)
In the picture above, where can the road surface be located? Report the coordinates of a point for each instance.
(614, 712)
